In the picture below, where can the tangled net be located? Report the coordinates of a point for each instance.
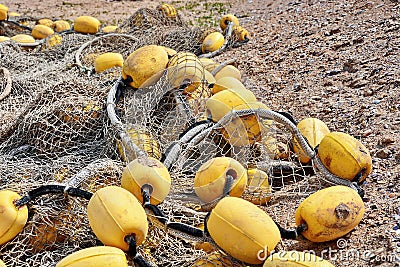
(54, 129)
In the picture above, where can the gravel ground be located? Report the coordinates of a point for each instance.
(338, 61)
(334, 60)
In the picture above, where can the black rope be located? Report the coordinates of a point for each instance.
(147, 190)
(51, 189)
(246, 40)
(76, 192)
(126, 82)
(193, 125)
(157, 212)
(19, 25)
(206, 233)
(185, 228)
(120, 91)
(133, 253)
(141, 262)
(67, 31)
(358, 176)
(288, 116)
(291, 234)
(240, 43)
(360, 191)
(167, 151)
(188, 229)
(40, 191)
(131, 241)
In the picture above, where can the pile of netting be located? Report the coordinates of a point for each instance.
(55, 129)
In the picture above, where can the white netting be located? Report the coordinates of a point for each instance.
(54, 124)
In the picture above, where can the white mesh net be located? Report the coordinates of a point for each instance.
(54, 129)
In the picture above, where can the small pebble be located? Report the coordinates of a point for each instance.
(366, 133)
(368, 93)
(383, 153)
(333, 72)
(387, 140)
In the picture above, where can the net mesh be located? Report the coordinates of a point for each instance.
(54, 124)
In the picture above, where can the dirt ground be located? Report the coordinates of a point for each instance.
(334, 60)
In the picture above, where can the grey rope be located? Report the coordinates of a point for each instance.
(116, 122)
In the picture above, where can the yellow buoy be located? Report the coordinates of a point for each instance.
(223, 102)
(61, 25)
(228, 71)
(230, 83)
(45, 22)
(211, 179)
(272, 147)
(225, 83)
(169, 51)
(244, 130)
(114, 213)
(243, 230)
(206, 61)
(147, 171)
(212, 42)
(86, 24)
(109, 29)
(3, 12)
(41, 31)
(145, 63)
(4, 38)
(240, 33)
(23, 38)
(107, 61)
(191, 75)
(345, 156)
(258, 188)
(313, 130)
(215, 259)
(223, 23)
(183, 57)
(13, 14)
(12, 219)
(330, 213)
(101, 256)
(210, 67)
(168, 10)
(143, 140)
(53, 41)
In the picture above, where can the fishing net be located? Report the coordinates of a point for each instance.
(54, 129)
